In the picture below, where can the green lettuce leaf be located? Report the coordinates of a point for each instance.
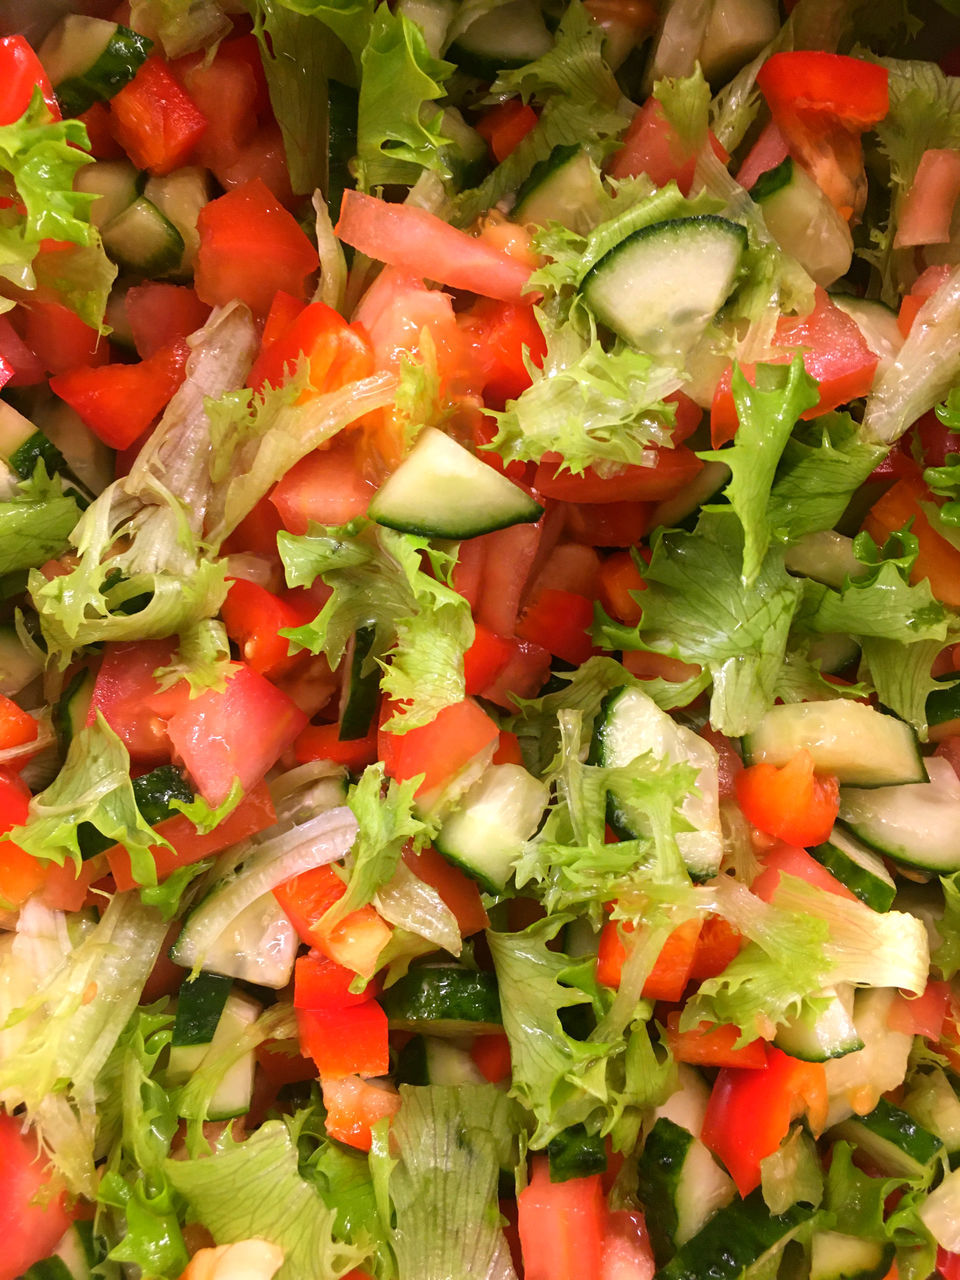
(946, 957)
(254, 1188)
(35, 524)
(697, 608)
(767, 413)
(399, 131)
(202, 659)
(349, 20)
(450, 1143)
(94, 787)
(422, 627)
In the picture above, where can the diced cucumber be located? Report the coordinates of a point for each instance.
(432, 1060)
(836, 1256)
(741, 1236)
(115, 183)
(235, 1089)
(932, 1101)
(143, 241)
(433, 17)
(574, 1153)
(863, 1076)
(893, 1140)
(863, 747)
(86, 458)
(75, 1258)
(917, 825)
(833, 652)
(858, 868)
(826, 1033)
(508, 36)
(680, 1185)
(631, 725)
(736, 32)
(70, 713)
(466, 153)
(360, 696)
(707, 483)
(180, 196)
(259, 945)
(18, 665)
(940, 1213)
(154, 793)
(943, 709)
(878, 324)
(804, 223)
(199, 1006)
(22, 445)
(497, 815)
(661, 286)
(825, 556)
(89, 59)
(564, 188)
(444, 1000)
(441, 490)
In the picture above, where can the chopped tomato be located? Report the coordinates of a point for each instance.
(750, 1111)
(337, 352)
(225, 90)
(211, 733)
(627, 1252)
(440, 749)
(711, 1044)
(937, 559)
(458, 891)
(793, 803)
(491, 1054)
(118, 402)
(254, 618)
(668, 978)
(652, 146)
(126, 691)
(922, 1015)
(524, 675)
(562, 1225)
(769, 150)
(257, 531)
(99, 126)
(503, 337)
(325, 487)
(22, 368)
(21, 73)
(33, 1215)
(559, 621)
(155, 120)
(321, 984)
(670, 470)
(17, 727)
(250, 247)
(60, 339)
(508, 749)
(349, 1041)
(353, 1106)
(422, 243)
(323, 742)
(927, 209)
(485, 659)
(620, 579)
(505, 559)
(608, 524)
(264, 158)
(162, 314)
(254, 813)
(786, 859)
(646, 665)
(505, 126)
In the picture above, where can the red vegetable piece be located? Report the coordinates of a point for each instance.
(491, 1054)
(20, 74)
(60, 339)
(458, 891)
(155, 120)
(161, 314)
(562, 1225)
(669, 471)
(503, 336)
(353, 1106)
(321, 984)
(559, 621)
(127, 693)
(505, 126)
(346, 1041)
(652, 146)
(787, 859)
(33, 1215)
(794, 803)
(713, 1045)
(440, 749)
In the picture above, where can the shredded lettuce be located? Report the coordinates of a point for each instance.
(35, 524)
(450, 1144)
(202, 659)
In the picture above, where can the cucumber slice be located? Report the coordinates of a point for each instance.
(858, 868)
(741, 1236)
(180, 196)
(825, 556)
(485, 836)
(630, 725)
(199, 1006)
(863, 747)
(943, 709)
(804, 222)
(143, 241)
(828, 1033)
(661, 286)
(432, 1060)
(22, 445)
(861, 1077)
(932, 1101)
(235, 1089)
(511, 35)
(574, 1153)
(70, 713)
(441, 490)
(680, 1185)
(564, 188)
(18, 665)
(878, 324)
(836, 1256)
(917, 825)
(444, 1001)
(893, 1140)
(115, 183)
(88, 60)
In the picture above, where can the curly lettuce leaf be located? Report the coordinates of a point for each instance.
(35, 524)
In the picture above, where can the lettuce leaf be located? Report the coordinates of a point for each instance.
(399, 130)
(181, 26)
(35, 524)
(697, 608)
(450, 1143)
(254, 1188)
(422, 627)
(349, 20)
(202, 659)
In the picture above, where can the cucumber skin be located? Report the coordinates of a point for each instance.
(733, 1239)
(78, 93)
(426, 999)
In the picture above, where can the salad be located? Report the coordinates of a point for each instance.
(480, 641)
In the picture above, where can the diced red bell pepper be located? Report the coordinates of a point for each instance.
(670, 974)
(505, 126)
(652, 146)
(33, 1212)
(608, 524)
(253, 814)
(211, 733)
(323, 742)
(282, 1063)
(562, 1225)
(508, 749)
(349, 1041)
(99, 125)
(284, 309)
(491, 1055)
(440, 749)
(750, 1111)
(254, 617)
(17, 726)
(127, 693)
(337, 352)
(670, 471)
(250, 247)
(155, 120)
(353, 1106)
(325, 487)
(118, 402)
(619, 579)
(948, 1264)
(937, 559)
(718, 942)
(793, 803)
(787, 859)
(458, 891)
(60, 339)
(559, 621)
(308, 896)
(712, 1044)
(355, 942)
(503, 336)
(263, 158)
(485, 659)
(162, 314)
(321, 984)
(835, 354)
(21, 72)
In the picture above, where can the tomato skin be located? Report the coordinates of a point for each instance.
(948, 1264)
(440, 749)
(20, 73)
(652, 146)
(669, 472)
(155, 120)
(501, 335)
(30, 1232)
(127, 693)
(793, 803)
(161, 314)
(458, 891)
(250, 247)
(620, 578)
(559, 621)
(225, 92)
(323, 742)
(561, 1226)
(60, 339)
(491, 1054)
(785, 859)
(922, 1015)
(17, 727)
(769, 150)
(22, 368)
(211, 733)
(254, 618)
(326, 487)
(505, 126)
